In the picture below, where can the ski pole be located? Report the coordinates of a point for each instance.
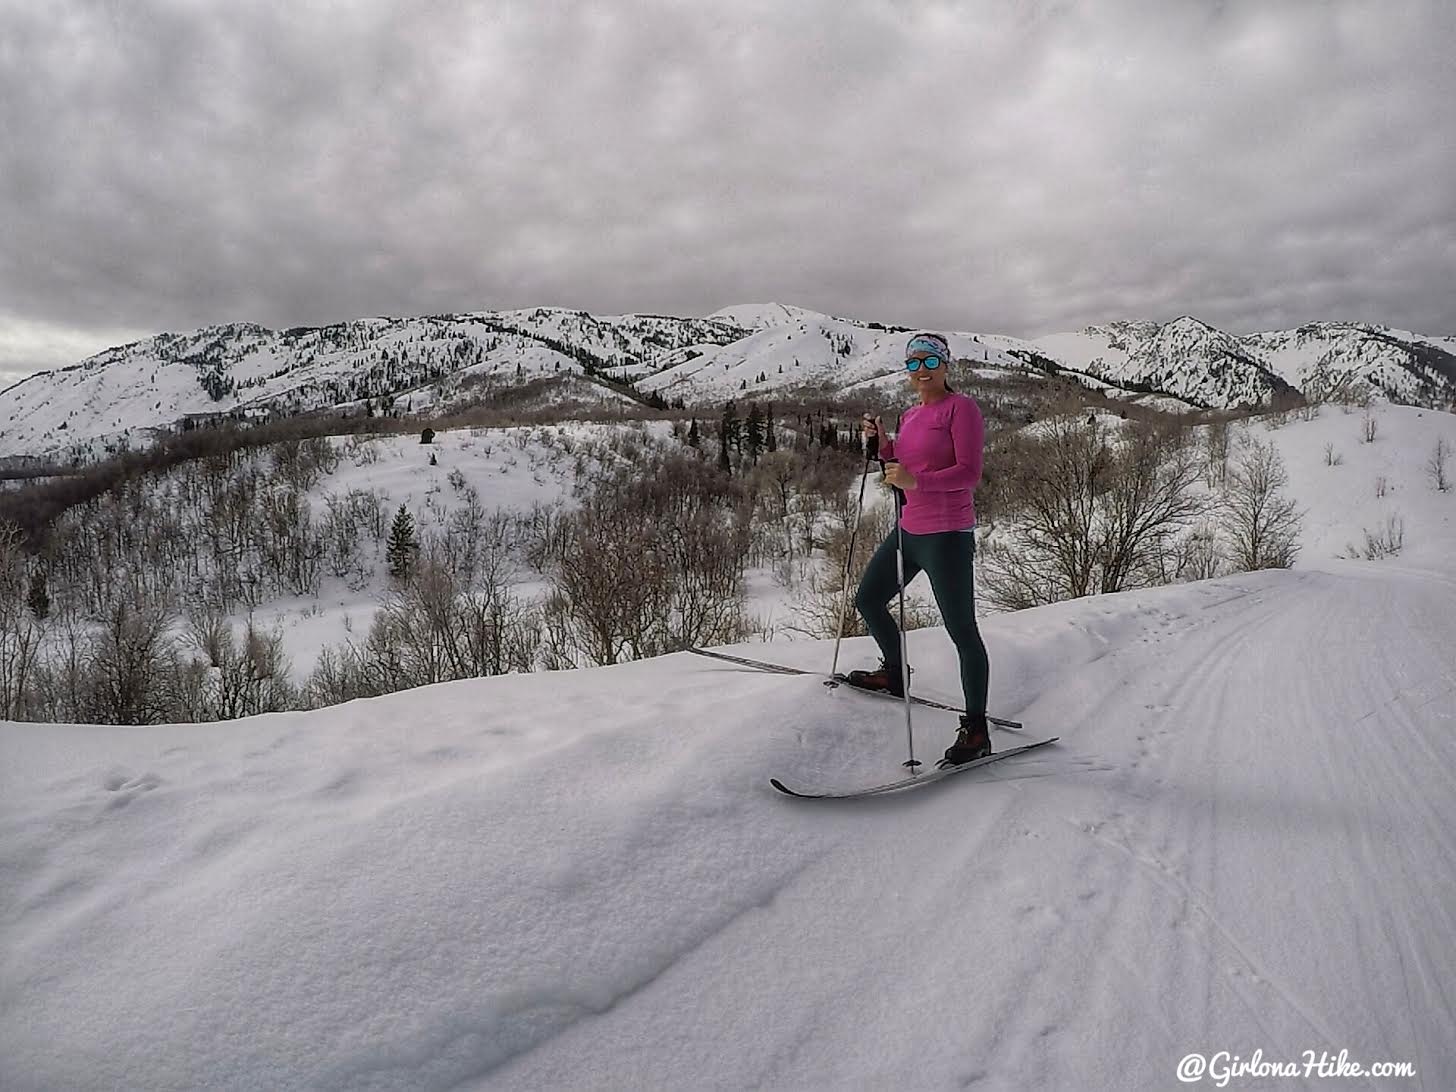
(904, 652)
(871, 446)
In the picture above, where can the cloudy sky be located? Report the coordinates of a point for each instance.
(1003, 166)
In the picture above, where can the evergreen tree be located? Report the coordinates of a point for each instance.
(730, 429)
(403, 547)
(693, 437)
(772, 443)
(754, 433)
(727, 437)
(39, 599)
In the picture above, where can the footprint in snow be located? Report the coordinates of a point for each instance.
(127, 788)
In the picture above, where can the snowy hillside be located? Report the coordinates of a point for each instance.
(1242, 843)
(761, 316)
(1341, 356)
(123, 396)
(1185, 358)
(808, 351)
(510, 470)
(408, 366)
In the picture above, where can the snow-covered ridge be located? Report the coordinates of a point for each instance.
(245, 371)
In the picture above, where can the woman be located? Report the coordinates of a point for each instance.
(936, 461)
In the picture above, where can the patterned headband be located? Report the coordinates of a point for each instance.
(929, 343)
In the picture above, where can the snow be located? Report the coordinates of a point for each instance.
(759, 316)
(1343, 501)
(1243, 841)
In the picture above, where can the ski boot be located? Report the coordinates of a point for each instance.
(973, 741)
(888, 679)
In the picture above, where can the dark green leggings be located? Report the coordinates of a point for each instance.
(946, 558)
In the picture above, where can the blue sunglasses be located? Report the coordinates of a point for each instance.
(931, 361)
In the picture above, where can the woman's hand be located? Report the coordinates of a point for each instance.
(898, 476)
(871, 428)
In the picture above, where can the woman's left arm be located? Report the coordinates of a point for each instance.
(967, 437)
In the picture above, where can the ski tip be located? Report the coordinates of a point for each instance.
(776, 783)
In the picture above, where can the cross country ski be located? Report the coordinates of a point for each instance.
(839, 679)
(907, 782)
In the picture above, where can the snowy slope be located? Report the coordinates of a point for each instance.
(761, 316)
(803, 351)
(582, 880)
(1371, 483)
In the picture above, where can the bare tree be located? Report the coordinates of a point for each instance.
(20, 630)
(1436, 465)
(1070, 469)
(296, 465)
(235, 678)
(650, 563)
(61, 680)
(1263, 525)
(1387, 542)
(1149, 499)
(340, 675)
(1197, 555)
(290, 550)
(774, 481)
(128, 665)
(1217, 443)
(438, 627)
(1088, 508)
(819, 607)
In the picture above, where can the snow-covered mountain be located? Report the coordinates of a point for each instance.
(432, 363)
(1185, 358)
(415, 365)
(1331, 357)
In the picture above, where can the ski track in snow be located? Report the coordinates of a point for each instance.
(583, 880)
(1262, 868)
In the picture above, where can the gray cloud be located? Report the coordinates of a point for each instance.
(1002, 166)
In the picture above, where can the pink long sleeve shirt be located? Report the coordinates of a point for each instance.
(940, 445)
